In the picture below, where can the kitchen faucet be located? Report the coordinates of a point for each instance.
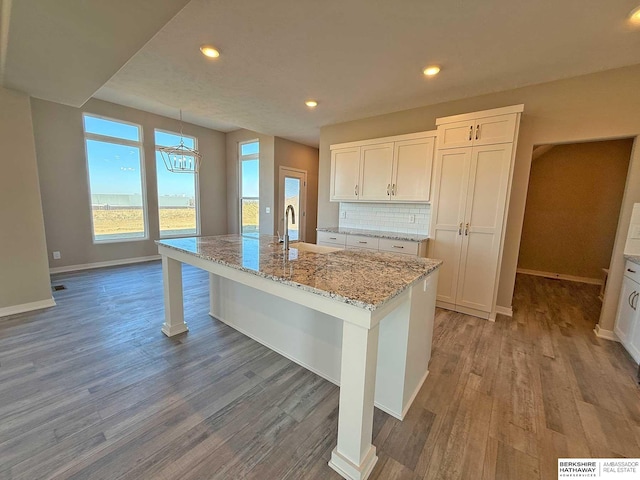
(286, 225)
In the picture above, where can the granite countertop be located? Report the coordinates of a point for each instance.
(411, 237)
(633, 258)
(360, 278)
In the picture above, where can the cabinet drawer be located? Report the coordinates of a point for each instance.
(632, 270)
(399, 246)
(333, 239)
(358, 241)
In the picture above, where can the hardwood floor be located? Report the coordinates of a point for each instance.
(92, 389)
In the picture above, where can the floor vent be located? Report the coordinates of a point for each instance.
(57, 288)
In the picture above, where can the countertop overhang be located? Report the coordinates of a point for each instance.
(363, 279)
(410, 237)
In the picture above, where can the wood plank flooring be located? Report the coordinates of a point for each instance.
(91, 389)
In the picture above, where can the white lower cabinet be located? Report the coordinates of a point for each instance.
(380, 244)
(628, 321)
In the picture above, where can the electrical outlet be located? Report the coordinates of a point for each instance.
(57, 256)
(343, 214)
(267, 210)
(412, 219)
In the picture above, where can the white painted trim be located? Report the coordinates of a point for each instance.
(606, 334)
(481, 114)
(27, 307)
(411, 399)
(394, 138)
(5, 14)
(110, 263)
(560, 276)
(507, 311)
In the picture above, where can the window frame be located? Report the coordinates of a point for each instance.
(196, 184)
(241, 158)
(143, 174)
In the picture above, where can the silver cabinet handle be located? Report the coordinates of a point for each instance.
(634, 301)
(460, 229)
(470, 132)
(466, 229)
(356, 190)
(362, 242)
(389, 189)
(477, 132)
(333, 238)
(398, 246)
(631, 271)
(629, 299)
(393, 189)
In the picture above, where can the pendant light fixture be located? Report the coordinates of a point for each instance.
(181, 159)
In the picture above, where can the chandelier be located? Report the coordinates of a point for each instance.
(181, 159)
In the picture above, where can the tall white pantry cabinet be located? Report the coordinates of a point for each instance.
(472, 182)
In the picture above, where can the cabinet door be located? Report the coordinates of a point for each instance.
(412, 163)
(492, 130)
(456, 135)
(482, 229)
(626, 312)
(345, 173)
(375, 174)
(447, 214)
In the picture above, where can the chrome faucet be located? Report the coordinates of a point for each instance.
(286, 225)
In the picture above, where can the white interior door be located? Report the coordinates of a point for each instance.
(450, 193)
(293, 191)
(484, 215)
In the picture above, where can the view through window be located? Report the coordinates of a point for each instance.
(249, 188)
(114, 164)
(177, 192)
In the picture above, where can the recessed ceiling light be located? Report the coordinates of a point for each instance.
(634, 16)
(311, 103)
(209, 51)
(431, 70)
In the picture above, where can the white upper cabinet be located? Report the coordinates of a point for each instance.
(476, 129)
(345, 173)
(375, 175)
(411, 179)
(391, 169)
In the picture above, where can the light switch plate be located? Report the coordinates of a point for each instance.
(267, 210)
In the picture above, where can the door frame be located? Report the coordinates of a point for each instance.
(301, 216)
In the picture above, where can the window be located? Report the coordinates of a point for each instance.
(177, 192)
(249, 188)
(115, 170)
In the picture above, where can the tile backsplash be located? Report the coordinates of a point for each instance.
(389, 217)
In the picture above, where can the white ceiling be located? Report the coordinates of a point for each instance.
(358, 58)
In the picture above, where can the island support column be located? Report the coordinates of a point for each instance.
(354, 457)
(173, 307)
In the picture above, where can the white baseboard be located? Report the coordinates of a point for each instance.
(110, 263)
(27, 307)
(507, 311)
(561, 276)
(606, 334)
(413, 397)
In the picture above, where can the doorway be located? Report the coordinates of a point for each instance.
(292, 185)
(573, 205)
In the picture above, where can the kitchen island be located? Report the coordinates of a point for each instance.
(362, 320)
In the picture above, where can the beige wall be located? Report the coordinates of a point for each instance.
(24, 271)
(573, 204)
(598, 106)
(266, 179)
(301, 157)
(60, 151)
